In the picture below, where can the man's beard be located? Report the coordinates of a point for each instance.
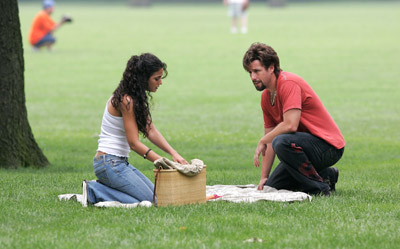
(259, 86)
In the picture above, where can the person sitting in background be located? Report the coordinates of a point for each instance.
(41, 32)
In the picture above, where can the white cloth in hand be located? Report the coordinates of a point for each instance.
(192, 169)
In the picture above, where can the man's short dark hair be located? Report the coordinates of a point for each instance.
(265, 54)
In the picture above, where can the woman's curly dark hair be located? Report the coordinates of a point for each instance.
(134, 83)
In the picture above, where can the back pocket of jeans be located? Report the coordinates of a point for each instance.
(102, 176)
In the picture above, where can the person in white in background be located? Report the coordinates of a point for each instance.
(237, 10)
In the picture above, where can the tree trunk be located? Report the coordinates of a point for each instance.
(17, 144)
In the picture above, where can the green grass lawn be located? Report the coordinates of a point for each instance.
(207, 108)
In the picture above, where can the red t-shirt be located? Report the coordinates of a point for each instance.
(294, 93)
(42, 24)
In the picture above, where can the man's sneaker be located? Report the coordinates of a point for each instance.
(84, 194)
(333, 178)
(330, 176)
(326, 193)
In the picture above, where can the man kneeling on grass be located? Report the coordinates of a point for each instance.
(298, 128)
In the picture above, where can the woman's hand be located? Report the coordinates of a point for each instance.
(177, 158)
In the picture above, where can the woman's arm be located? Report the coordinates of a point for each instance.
(157, 139)
(132, 131)
(132, 135)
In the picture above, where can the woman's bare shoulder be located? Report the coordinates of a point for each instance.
(126, 104)
(112, 110)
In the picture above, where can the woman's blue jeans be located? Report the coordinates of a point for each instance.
(118, 181)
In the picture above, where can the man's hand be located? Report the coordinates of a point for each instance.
(261, 148)
(262, 183)
(66, 18)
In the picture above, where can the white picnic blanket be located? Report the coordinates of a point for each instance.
(232, 193)
(79, 198)
(249, 193)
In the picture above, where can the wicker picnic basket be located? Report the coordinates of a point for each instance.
(175, 189)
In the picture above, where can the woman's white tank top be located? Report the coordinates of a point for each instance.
(112, 136)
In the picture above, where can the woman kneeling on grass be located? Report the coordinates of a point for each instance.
(126, 115)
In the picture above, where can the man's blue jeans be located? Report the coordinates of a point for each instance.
(47, 39)
(304, 161)
(118, 181)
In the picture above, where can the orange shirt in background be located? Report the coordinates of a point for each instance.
(42, 24)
